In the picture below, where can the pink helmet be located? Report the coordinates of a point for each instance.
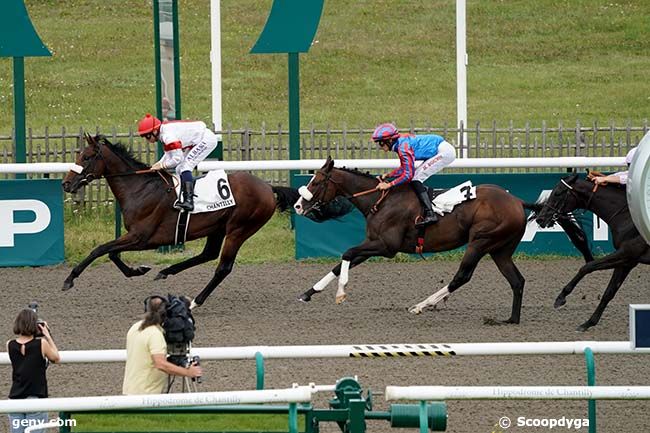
(630, 155)
(385, 132)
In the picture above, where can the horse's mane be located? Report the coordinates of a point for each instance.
(358, 172)
(122, 152)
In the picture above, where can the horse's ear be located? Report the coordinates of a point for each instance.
(329, 164)
(89, 139)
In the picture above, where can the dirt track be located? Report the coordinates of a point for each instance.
(256, 305)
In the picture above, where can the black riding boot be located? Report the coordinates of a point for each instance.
(186, 200)
(429, 216)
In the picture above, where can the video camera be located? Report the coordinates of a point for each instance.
(34, 307)
(179, 329)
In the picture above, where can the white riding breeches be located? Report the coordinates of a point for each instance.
(445, 156)
(198, 153)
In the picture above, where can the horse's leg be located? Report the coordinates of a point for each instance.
(577, 236)
(367, 249)
(331, 276)
(503, 260)
(127, 270)
(472, 256)
(620, 257)
(210, 252)
(233, 242)
(619, 275)
(128, 242)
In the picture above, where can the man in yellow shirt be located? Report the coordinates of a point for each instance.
(147, 367)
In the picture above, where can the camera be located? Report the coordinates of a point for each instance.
(193, 360)
(34, 307)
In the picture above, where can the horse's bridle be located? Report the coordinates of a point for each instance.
(328, 178)
(99, 156)
(571, 190)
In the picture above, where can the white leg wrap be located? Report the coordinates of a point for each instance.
(319, 286)
(430, 301)
(343, 278)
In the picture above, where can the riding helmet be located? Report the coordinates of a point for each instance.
(385, 132)
(148, 124)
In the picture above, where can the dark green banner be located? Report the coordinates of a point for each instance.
(332, 238)
(31, 232)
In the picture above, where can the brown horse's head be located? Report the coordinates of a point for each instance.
(89, 165)
(320, 191)
(563, 199)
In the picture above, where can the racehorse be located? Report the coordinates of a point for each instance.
(610, 204)
(493, 223)
(146, 199)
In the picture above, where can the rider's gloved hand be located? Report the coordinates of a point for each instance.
(157, 166)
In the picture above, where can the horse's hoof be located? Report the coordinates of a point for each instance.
(304, 298)
(415, 310)
(194, 305)
(340, 299)
(143, 269)
(559, 303)
(160, 276)
(67, 285)
(584, 327)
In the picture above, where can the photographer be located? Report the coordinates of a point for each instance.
(147, 366)
(29, 353)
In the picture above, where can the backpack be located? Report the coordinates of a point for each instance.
(179, 324)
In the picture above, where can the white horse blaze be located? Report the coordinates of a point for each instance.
(431, 300)
(319, 286)
(343, 278)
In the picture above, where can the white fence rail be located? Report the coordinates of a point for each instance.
(314, 164)
(290, 395)
(369, 350)
(517, 393)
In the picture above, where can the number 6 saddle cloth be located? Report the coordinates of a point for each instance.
(211, 192)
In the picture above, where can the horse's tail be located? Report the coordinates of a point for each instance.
(285, 197)
(534, 207)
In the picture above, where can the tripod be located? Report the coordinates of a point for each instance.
(188, 384)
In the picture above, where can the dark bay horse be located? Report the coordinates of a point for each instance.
(146, 202)
(493, 223)
(610, 204)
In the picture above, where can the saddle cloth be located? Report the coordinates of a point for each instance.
(211, 192)
(444, 201)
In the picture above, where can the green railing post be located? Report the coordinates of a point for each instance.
(293, 417)
(424, 420)
(20, 153)
(591, 381)
(259, 370)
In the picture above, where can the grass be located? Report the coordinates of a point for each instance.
(553, 60)
(181, 423)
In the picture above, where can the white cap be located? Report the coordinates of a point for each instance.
(630, 155)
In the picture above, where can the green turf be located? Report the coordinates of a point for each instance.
(371, 61)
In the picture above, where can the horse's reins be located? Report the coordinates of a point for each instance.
(588, 202)
(90, 176)
(375, 207)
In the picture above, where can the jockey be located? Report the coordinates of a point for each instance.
(621, 176)
(186, 143)
(432, 149)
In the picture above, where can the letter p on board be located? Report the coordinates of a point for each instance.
(10, 227)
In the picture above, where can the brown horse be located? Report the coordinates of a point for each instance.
(610, 204)
(146, 199)
(493, 223)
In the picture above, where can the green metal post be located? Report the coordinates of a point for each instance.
(357, 416)
(591, 381)
(118, 220)
(65, 428)
(294, 112)
(293, 417)
(177, 62)
(19, 112)
(424, 420)
(259, 370)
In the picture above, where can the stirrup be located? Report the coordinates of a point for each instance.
(427, 221)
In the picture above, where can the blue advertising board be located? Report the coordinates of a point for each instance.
(332, 238)
(31, 222)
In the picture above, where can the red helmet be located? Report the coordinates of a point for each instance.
(385, 132)
(148, 124)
